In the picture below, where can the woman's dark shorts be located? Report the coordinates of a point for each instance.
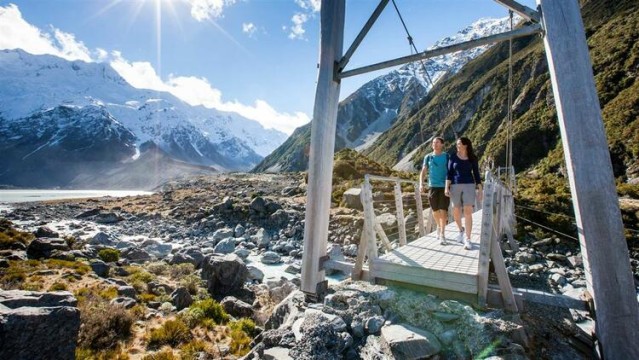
(438, 199)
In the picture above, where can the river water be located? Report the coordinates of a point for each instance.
(17, 196)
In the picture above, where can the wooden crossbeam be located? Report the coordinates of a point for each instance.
(522, 10)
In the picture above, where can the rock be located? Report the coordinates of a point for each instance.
(156, 248)
(387, 220)
(525, 258)
(4, 263)
(542, 243)
(43, 247)
(242, 252)
(45, 232)
(558, 279)
(350, 250)
(575, 261)
(182, 258)
(448, 336)
(159, 289)
(319, 340)
(290, 191)
(287, 311)
(181, 298)
(535, 268)
(374, 325)
(258, 205)
(223, 233)
(262, 239)
(408, 342)
(352, 198)
(38, 325)
(135, 254)
(224, 274)
(225, 246)
(100, 268)
(293, 269)
(270, 258)
(127, 291)
(277, 353)
(88, 213)
(255, 273)
(279, 218)
(556, 257)
(101, 239)
(237, 308)
(444, 316)
(126, 302)
(239, 230)
(108, 218)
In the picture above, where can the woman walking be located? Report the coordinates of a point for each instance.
(463, 185)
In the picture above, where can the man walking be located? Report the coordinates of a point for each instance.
(436, 166)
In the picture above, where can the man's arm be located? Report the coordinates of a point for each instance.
(422, 176)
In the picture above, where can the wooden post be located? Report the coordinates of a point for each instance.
(604, 249)
(420, 211)
(486, 237)
(320, 172)
(502, 275)
(399, 206)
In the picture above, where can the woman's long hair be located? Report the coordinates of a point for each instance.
(469, 148)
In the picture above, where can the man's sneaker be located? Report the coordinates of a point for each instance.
(460, 237)
(467, 244)
(442, 239)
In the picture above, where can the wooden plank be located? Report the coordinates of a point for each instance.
(521, 32)
(323, 128)
(494, 299)
(420, 211)
(362, 33)
(382, 235)
(399, 207)
(356, 274)
(485, 240)
(339, 265)
(592, 184)
(441, 280)
(522, 10)
(502, 276)
(430, 222)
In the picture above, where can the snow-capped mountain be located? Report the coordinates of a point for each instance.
(374, 107)
(43, 98)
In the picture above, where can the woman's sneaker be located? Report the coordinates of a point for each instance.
(442, 239)
(460, 237)
(467, 244)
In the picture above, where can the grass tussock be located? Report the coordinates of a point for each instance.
(103, 325)
(109, 255)
(172, 333)
(10, 237)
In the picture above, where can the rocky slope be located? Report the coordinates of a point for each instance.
(374, 107)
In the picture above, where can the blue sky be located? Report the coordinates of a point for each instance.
(255, 57)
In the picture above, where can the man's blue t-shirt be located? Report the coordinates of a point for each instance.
(437, 166)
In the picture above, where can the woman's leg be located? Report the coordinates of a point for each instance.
(468, 219)
(457, 210)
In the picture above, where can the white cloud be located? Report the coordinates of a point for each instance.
(309, 9)
(16, 33)
(311, 5)
(249, 28)
(205, 9)
(297, 30)
(198, 91)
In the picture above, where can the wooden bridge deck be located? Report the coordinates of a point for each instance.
(426, 262)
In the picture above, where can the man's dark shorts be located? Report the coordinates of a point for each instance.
(438, 199)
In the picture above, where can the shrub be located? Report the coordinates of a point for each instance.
(192, 350)
(162, 355)
(57, 287)
(88, 354)
(240, 342)
(172, 332)
(146, 297)
(212, 310)
(109, 255)
(192, 283)
(79, 267)
(143, 276)
(158, 268)
(9, 236)
(246, 325)
(179, 270)
(109, 293)
(103, 324)
(192, 317)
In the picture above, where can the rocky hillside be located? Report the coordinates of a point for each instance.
(374, 107)
(474, 102)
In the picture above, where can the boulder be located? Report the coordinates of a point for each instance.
(319, 340)
(100, 268)
(45, 232)
(101, 238)
(279, 218)
(181, 298)
(43, 247)
(123, 301)
(352, 199)
(287, 311)
(271, 257)
(239, 230)
(135, 254)
(38, 325)
(108, 218)
(225, 246)
(255, 273)
(127, 291)
(262, 239)
(156, 248)
(258, 205)
(224, 274)
(408, 342)
(223, 233)
(237, 308)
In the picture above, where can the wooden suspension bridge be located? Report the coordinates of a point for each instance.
(605, 254)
